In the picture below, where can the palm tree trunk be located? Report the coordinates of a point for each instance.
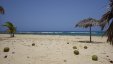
(90, 33)
(12, 34)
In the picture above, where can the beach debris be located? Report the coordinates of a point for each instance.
(111, 61)
(76, 52)
(65, 60)
(6, 49)
(27, 56)
(107, 56)
(85, 47)
(74, 47)
(33, 44)
(67, 42)
(5, 56)
(95, 57)
(13, 52)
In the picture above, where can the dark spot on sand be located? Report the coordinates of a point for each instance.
(111, 61)
(33, 44)
(74, 47)
(5, 56)
(107, 56)
(85, 47)
(67, 42)
(13, 52)
(65, 60)
(27, 56)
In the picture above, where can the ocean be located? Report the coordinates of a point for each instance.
(72, 33)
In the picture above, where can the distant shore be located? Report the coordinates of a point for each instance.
(54, 49)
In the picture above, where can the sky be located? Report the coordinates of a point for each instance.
(51, 15)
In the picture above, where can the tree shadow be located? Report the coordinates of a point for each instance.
(4, 38)
(94, 42)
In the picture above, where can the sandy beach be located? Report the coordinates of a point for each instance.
(54, 49)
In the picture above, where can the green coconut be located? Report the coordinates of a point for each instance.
(74, 47)
(85, 47)
(95, 57)
(6, 49)
(76, 52)
(33, 44)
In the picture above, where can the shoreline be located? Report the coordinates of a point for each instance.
(72, 33)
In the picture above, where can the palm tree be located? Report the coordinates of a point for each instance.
(89, 22)
(107, 20)
(11, 28)
(2, 11)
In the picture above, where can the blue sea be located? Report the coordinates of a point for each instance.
(72, 33)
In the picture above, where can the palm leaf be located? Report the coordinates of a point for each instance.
(10, 27)
(106, 18)
(2, 11)
(109, 33)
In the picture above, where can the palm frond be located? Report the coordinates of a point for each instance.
(2, 11)
(106, 19)
(109, 33)
(10, 26)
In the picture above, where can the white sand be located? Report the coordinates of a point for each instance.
(51, 49)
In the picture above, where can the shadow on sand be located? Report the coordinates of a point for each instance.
(94, 42)
(4, 38)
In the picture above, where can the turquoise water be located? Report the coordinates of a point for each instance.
(72, 33)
